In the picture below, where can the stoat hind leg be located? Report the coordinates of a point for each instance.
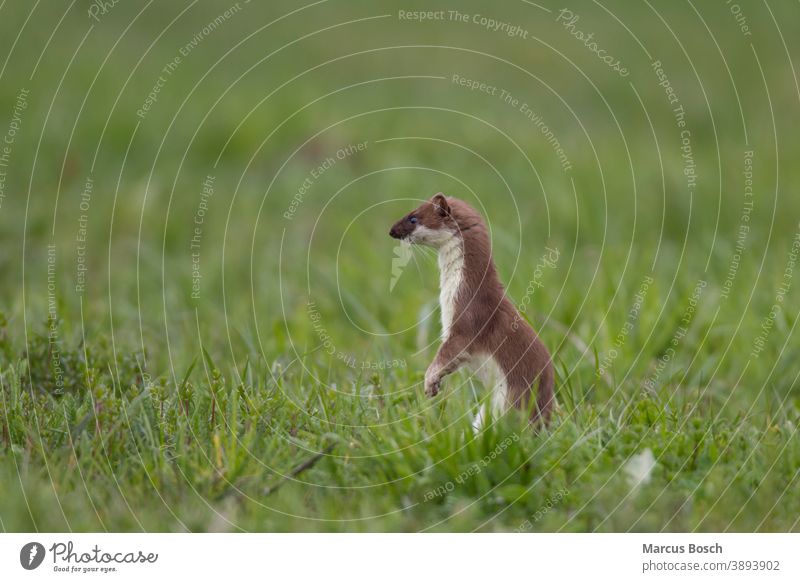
(487, 369)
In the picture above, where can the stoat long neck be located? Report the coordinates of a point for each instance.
(451, 278)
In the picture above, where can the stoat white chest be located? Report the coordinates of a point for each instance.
(451, 277)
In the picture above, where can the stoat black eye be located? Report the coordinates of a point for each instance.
(412, 219)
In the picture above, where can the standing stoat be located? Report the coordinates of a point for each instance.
(480, 326)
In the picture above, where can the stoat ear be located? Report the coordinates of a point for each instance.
(440, 202)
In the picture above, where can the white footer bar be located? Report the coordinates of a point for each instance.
(354, 557)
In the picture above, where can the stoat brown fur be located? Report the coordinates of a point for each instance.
(480, 326)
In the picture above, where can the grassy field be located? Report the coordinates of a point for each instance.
(205, 326)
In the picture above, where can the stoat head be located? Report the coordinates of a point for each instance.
(431, 224)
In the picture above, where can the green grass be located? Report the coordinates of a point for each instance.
(286, 396)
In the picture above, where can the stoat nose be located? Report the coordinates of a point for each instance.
(393, 233)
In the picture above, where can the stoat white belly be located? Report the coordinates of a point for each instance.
(451, 276)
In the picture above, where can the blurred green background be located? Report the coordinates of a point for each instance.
(222, 177)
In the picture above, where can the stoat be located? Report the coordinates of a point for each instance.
(480, 326)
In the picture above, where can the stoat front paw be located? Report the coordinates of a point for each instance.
(432, 384)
